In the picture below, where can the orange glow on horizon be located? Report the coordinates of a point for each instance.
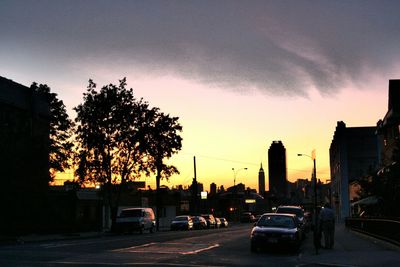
(226, 130)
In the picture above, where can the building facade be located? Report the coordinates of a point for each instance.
(388, 175)
(388, 128)
(353, 154)
(24, 153)
(213, 189)
(277, 171)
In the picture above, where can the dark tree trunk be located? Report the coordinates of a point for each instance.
(158, 200)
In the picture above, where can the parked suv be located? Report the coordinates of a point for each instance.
(135, 219)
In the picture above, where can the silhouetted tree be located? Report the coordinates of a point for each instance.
(60, 143)
(164, 142)
(115, 133)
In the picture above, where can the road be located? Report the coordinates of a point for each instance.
(214, 247)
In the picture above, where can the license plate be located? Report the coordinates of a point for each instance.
(272, 240)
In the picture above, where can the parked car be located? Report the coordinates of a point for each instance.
(199, 222)
(224, 222)
(135, 219)
(275, 230)
(258, 216)
(217, 222)
(183, 222)
(296, 210)
(247, 217)
(210, 220)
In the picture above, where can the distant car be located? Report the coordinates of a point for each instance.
(210, 220)
(296, 210)
(275, 231)
(199, 222)
(217, 222)
(224, 222)
(135, 219)
(183, 222)
(247, 217)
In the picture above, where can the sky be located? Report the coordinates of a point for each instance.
(238, 74)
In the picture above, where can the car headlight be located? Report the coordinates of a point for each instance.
(255, 233)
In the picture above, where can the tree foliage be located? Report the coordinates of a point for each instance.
(108, 134)
(60, 144)
(165, 141)
(121, 137)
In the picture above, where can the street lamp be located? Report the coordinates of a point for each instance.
(235, 173)
(314, 180)
(314, 176)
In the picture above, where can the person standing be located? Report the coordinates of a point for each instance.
(327, 221)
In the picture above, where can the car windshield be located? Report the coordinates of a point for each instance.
(296, 211)
(276, 221)
(181, 219)
(131, 213)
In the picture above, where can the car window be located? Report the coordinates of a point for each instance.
(297, 212)
(181, 219)
(131, 213)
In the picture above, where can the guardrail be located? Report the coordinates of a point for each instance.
(386, 229)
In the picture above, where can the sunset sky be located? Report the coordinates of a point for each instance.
(239, 74)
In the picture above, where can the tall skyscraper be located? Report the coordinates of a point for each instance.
(261, 181)
(277, 169)
(213, 189)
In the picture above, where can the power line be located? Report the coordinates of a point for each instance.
(223, 159)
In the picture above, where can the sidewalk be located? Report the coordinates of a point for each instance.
(351, 249)
(7, 240)
(10, 240)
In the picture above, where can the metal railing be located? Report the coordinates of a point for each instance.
(386, 229)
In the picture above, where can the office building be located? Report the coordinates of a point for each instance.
(277, 171)
(353, 154)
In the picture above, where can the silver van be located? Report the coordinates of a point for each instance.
(135, 219)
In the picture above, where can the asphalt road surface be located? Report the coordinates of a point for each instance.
(213, 247)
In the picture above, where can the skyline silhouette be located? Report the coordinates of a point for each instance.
(239, 76)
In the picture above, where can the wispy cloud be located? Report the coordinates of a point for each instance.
(278, 47)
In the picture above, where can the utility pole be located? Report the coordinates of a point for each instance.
(194, 188)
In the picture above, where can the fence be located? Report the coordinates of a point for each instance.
(386, 229)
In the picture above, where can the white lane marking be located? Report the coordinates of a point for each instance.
(200, 250)
(169, 248)
(135, 247)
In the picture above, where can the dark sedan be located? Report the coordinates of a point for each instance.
(199, 222)
(296, 210)
(275, 230)
(183, 222)
(211, 223)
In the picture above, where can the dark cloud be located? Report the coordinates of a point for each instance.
(280, 47)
